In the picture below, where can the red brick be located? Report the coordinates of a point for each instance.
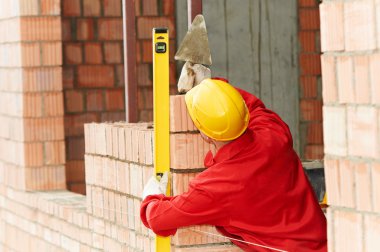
(147, 49)
(307, 41)
(93, 53)
(74, 123)
(309, 19)
(115, 99)
(362, 85)
(138, 7)
(68, 77)
(332, 26)
(71, 8)
(66, 29)
(50, 7)
(168, 7)
(112, 7)
(95, 100)
(91, 8)
(96, 76)
(113, 53)
(314, 152)
(315, 133)
(311, 110)
(110, 29)
(31, 54)
(120, 75)
(73, 53)
(149, 8)
(75, 148)
(146, 115)
(144, 75)
(310, 64)
(33, 154)
(145, 25)
(74, 101)
(75, 171)
(53, 104)
(78, 188)
(375, 78)
(145, 98)
(85, 29)
(359, 25)
(345, 79)
(309, 87)
(308, 3)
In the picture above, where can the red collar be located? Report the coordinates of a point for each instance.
(229, 150)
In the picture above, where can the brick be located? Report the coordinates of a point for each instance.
(53, 104)
(362, 132)
(27, 8)
(71, 8)
(113, 53)
(362, 84)
(375, 78)
(114, 99)
(73, 101)
(110, 29)
(147, 51)
(33, 154)
(145, 25)
(93, 53)
(75, 171)
(54, 153)
(30, 54)
(310, 64)
(68, 77)
(348, 224)
(121, 142)
(51, 53)
(309, 19)
(168, 7)
(329, 84)
(75, 148)
(115, 141)
(40, 28)
(50, 7)
(345, 79)
(144, 75)
(363, 187)
(145, 98)
(112, 8)
(149, 8)
(307, 41)
(119, 75)
(85, 29)
(332, 26)
(359, 25)
(376, 186)
(334, 130)
(372, 232)
(94, 100)
(377, 4)
(311, 110)
(91, 8)
(347, 184)
(332, 177)
(74, 123)
(309, 86)
(315, 133)
(136, 180)
(95, 76)
(314, 152)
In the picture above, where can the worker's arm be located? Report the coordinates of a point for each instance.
(165, 214)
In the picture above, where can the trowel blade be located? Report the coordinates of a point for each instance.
(194, 46)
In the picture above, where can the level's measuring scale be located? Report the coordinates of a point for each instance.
(161, 113)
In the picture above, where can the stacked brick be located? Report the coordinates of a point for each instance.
(351, 112)
(31, 103)
(310, 80)
(93, 79)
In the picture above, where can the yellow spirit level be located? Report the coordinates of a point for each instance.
(161, 113)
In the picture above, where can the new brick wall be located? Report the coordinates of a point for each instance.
(311, 134)
(32, 146)
(119, 161)
(351, 113)
(94, 70)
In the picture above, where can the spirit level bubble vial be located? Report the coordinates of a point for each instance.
(161, 113)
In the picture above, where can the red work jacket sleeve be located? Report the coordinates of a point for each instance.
(165, 214)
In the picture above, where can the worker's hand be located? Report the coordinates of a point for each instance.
(192, 75)
(153, 186)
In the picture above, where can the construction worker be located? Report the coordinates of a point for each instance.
(254, 189)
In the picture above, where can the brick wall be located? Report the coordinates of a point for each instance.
(311, 134)
(351, 112)
(32, 147)
(119, 161)
(94, 72)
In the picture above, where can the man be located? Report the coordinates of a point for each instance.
(254, 189)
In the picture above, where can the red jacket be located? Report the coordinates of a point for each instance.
(254, 189)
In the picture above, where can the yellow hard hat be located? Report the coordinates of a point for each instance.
(217, 109)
